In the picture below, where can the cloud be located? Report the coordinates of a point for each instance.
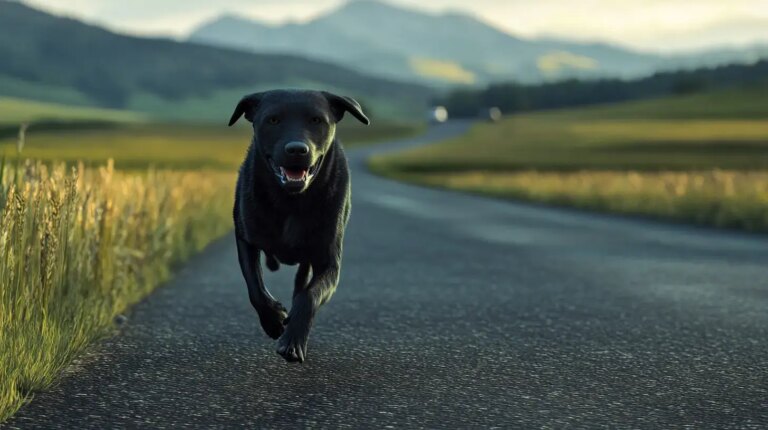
(178, 17)
(647, 24)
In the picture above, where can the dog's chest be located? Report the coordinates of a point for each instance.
(294, 241)
(293, 233)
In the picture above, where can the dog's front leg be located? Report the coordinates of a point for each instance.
(292, 345)
(271, 312)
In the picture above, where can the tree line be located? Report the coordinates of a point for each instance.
(514, 97)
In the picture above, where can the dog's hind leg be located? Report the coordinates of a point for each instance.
(271, 312)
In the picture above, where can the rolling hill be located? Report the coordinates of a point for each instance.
(449, 48)
(14, 111)
(51, 58)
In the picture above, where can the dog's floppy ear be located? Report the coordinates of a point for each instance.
(341, 104)
(247, 106)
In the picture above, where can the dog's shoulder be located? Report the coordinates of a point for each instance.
(333, 199)
(336, 181)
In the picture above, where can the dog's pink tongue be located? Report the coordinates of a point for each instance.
(295, 174)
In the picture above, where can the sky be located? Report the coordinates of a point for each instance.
(649, 25)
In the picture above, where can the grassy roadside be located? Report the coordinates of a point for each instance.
(628, 158)
(78, 247)
(729, 199)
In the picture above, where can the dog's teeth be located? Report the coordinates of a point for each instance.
(286, 176)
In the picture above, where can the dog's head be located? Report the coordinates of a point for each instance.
(294, 130)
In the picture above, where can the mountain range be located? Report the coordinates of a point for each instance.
(441, 49)
(52, 58)
(394, 60)
(392, 41)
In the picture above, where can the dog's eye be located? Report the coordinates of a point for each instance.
(316, 120)
(273, 120)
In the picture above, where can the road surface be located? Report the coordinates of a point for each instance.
(454, 311)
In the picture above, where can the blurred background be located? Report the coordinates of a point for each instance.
(190, 60)
(556, 87)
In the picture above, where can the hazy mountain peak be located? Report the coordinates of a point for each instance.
(394, 41)
(233, 18)
(66, 60)
(363, 12)
(367, 10)
(358, 6)
(230, 21)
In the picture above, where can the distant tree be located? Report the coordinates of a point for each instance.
(689, 85)
(513, 97)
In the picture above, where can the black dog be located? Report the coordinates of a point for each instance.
(292, 203)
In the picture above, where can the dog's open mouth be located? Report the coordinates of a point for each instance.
(295, 174)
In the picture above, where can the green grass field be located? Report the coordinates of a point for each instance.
(171, 145)
(14, 111)
(741, 103)
(62, 103)
(699, 158)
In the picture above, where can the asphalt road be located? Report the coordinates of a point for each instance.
(453, 311)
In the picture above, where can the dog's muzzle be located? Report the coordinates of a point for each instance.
(295, 177)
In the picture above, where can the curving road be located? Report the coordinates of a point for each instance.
(454, 311)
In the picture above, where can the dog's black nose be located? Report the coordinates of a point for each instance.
(297, 148)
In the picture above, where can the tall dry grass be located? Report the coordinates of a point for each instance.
(77, 246)
(721, 198)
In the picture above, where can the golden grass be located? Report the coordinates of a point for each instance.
(721, 198)
(80, 245)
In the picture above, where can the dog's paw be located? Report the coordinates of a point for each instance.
(271, 318)
(292, 345)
